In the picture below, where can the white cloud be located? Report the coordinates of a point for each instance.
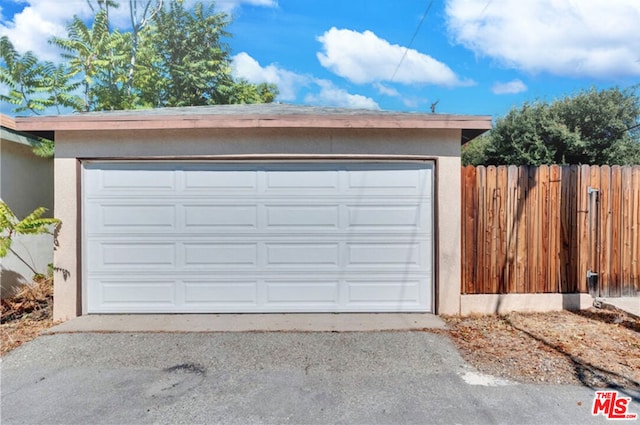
(363, 57)
(38, 22)
(291, 84)
(330, 95)
(288, 82)
(511, 87)
(385, 90)
(586, 38)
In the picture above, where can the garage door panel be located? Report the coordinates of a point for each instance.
(119, 256)
(221, 293)
(299, 254)
(136, 291)
(138, 255)
(387, 216)
(312, 294)
(382, 181)
(389, 292)
(129, 218)
(132, 180)
(123, 179)
(387, 255)
(218, 254)
(223, 180)
(303, 216)
(258, 237)
(302, 179)
(233, 294)
(197, 217)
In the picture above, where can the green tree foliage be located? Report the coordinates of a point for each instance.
(591, 127)
(189, 62)
(173, 56)
(474, 152)
(92, 55)
(34, 85)
(32, 224)
(184, 62)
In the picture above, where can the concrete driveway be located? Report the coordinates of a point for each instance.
(253, 377)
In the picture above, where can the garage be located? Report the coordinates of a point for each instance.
(215, 237)
(268, 208)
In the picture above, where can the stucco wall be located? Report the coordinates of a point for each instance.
(441, 145)
(26, 182)
(30, 254)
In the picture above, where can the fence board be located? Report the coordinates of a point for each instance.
(481, 230)
(502, 242)
(492, 220)
(537, 229)
(573, 217)
(614, 236)
(534, 235)
(469, 241)
(511, 214)
(522, 278)
(584, 178)
(553, 278)
(543, 253)
(594, 221)
(625, 230)
(605, 230)
(565, 230)
(635, 229)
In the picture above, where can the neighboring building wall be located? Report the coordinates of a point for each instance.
(26, 183)
(441, 145)
(26, 180)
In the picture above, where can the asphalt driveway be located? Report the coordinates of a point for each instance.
(287, 377)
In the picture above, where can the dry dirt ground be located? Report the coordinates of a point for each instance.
(597, 348)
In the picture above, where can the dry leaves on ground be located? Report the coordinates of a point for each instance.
(597, 348)
(26, 314)
(17, 332)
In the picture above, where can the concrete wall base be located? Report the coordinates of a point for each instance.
(504, 303)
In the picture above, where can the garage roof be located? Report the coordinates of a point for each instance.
(271, 115)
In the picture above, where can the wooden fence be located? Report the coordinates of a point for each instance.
(551, 229)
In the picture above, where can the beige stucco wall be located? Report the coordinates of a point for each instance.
(26, 183)
(26, 180)
(443, 146)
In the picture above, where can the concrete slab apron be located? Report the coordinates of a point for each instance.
(250, 322)
(328, 377)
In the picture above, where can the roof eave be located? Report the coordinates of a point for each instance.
(469, 124)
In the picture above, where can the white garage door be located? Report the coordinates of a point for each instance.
(250, 237)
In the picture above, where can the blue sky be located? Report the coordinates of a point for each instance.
(470, 56)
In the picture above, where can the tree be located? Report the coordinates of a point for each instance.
(34, 85)
(474, 152)
(183, 61)
(100, 59)
(591, 127)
